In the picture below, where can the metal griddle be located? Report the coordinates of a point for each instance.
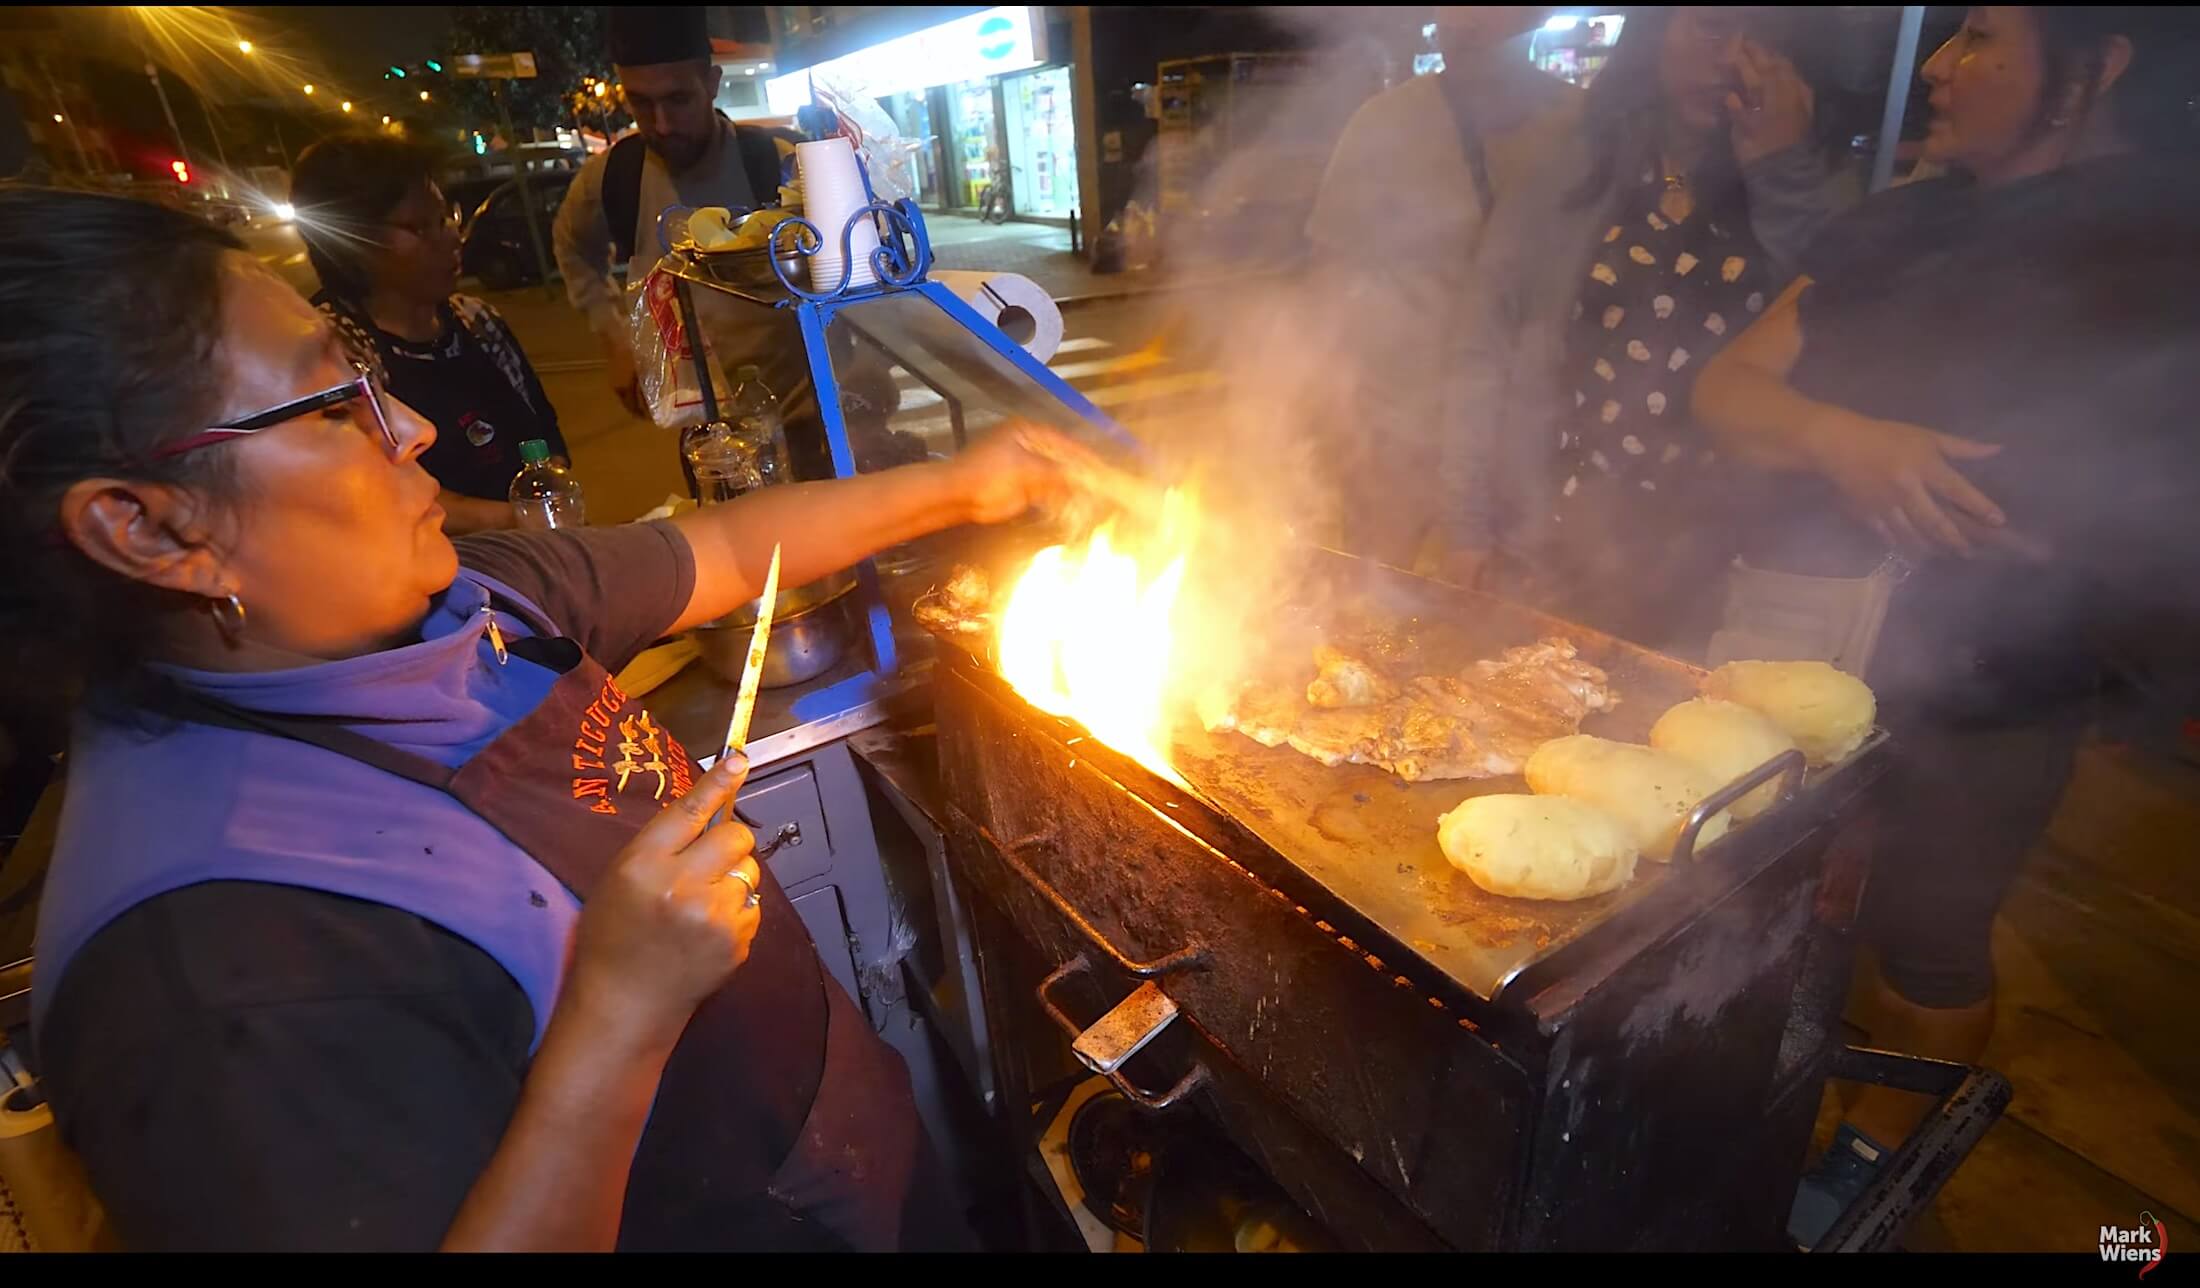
(1368, 838)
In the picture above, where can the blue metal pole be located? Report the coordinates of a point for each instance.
(1898, 94)
(815, 319)
(1019, 357)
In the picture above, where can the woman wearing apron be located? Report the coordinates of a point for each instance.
(380, 917)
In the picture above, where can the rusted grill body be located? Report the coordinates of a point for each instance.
(1419, 1064)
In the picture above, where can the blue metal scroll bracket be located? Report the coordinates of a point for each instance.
(901, 260)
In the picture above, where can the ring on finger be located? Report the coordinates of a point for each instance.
(746, 884)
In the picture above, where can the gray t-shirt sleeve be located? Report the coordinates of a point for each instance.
(614, 591)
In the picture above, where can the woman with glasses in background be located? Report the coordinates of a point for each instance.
(379, 917)
(384, 241)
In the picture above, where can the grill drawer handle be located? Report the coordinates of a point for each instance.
(1121, 1034)
(1787, 766)
(1191, 954)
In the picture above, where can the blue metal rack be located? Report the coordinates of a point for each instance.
(901, 264)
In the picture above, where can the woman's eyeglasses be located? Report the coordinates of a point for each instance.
(449, 223)
(361, 387)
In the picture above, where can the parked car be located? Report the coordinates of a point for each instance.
(495, 245)
(467, 192)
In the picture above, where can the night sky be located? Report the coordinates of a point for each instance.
(358, 40)
(355, 42)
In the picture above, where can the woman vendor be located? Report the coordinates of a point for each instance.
(1990, 374)
(380, 917)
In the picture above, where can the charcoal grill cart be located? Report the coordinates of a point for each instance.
(1274, 956)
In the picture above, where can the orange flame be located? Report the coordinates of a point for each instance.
(1092, 634)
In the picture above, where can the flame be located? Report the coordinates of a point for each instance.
(1091, 634)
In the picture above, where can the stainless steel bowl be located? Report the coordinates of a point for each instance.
(810, 633)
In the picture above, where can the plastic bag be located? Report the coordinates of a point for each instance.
(664, 361)
(890, 159)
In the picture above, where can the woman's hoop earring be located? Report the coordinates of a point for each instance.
(228, 614)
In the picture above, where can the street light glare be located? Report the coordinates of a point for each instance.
(57, 118)
(347, 104)
(244, 46)
(308, 89)
(602, 90)
(423, 96)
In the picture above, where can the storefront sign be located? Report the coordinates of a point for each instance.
(984, 44)
(494, 66)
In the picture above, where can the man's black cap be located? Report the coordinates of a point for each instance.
(641, 35)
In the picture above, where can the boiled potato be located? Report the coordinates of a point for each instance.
(1537, 847)
(1827, 713)
(1725, 740)
(755, 231)
(707, 228)
(1651, 791)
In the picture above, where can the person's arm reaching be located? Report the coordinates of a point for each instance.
(1793, 193)
(824, 527)
(1896, 477)
(582, 242)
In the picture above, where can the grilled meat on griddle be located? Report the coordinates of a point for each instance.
(1483, 723)
(1344, 680)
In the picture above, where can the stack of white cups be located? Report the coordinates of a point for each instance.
(832, 190)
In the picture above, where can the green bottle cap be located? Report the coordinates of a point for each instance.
(534, 451)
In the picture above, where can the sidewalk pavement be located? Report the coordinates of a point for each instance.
(1040, 252)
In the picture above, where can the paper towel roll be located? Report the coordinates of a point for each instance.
(832, 190)
(1014, 303)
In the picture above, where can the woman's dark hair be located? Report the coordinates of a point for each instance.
(1621, 115)
(2156, 101)
(110, 350)
(342, 188)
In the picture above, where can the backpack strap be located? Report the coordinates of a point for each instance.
(765, 162)
(1454, 88)
(622, 193)
(761, 160)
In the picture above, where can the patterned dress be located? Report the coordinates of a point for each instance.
(1642, 528)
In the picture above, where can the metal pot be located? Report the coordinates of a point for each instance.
(809, 635)
(794, 601)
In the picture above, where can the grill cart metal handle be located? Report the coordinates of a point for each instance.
(1787, 766)
(1119, 1035)
(1971, 1099)
(1136, 1020)
(1191, 954)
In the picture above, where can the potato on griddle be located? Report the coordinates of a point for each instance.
(1538, 847)
(1651, 791)
(1725, 740)
(1827, 713)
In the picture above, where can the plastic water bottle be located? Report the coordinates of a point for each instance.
(721, 464)
(754, 415)
(543, 494)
